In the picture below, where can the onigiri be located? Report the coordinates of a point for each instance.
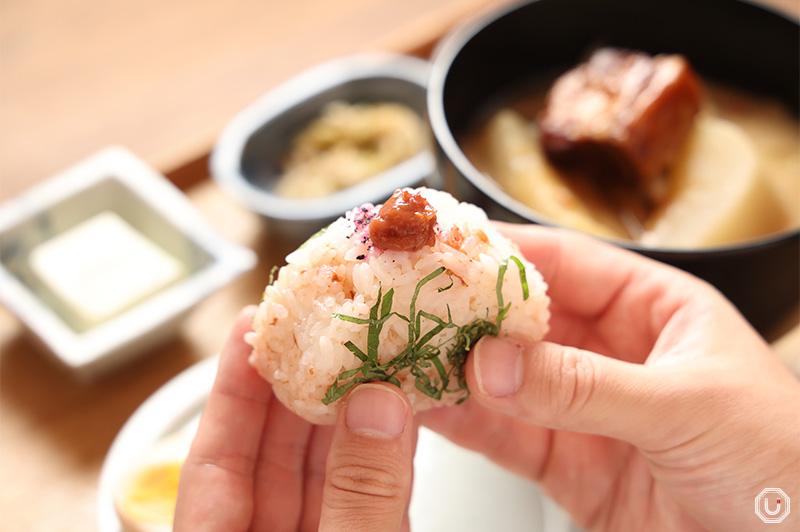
(398, 292)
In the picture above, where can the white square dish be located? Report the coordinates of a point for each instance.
(68, 242)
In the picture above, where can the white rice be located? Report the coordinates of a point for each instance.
(299, 345)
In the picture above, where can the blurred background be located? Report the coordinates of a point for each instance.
(161, 78)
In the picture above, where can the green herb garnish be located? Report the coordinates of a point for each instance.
(272, 273)
(421, 351)
(272, 278)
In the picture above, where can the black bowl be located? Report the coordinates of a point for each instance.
(734, 42)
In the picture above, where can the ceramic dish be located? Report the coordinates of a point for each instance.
(454, 489)
(246, 160)
(49, 241)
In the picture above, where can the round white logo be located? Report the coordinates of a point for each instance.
(772, 505)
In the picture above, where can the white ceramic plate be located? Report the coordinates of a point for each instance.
(454, 489)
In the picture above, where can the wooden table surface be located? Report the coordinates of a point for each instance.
(161, 78)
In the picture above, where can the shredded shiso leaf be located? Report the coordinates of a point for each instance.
(272, 273)
(422, 351)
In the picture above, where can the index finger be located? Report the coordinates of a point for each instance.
(224, 452)
(611, 292)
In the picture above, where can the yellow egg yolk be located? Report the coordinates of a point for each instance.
(151, 494)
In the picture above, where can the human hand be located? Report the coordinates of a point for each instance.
(254, 465)
(652, 405)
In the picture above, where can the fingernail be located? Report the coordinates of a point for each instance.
(498, 366)
(376, 411)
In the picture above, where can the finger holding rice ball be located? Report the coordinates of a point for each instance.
(397, 293)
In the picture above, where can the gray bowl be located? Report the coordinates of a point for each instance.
(246, 158)
(731, 41)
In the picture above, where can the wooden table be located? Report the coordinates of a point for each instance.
(161, 78)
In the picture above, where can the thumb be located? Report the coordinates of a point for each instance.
(566, 388)
(369, 469)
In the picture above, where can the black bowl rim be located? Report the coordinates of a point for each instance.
(442, 59)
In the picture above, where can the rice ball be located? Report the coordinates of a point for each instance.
(399, 293)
